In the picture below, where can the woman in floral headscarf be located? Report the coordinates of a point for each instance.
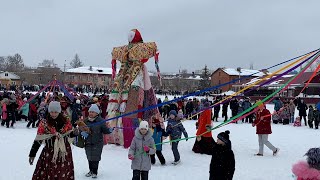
(55, 161)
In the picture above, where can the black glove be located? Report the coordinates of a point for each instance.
(31, 159)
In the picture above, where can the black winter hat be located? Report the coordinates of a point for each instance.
(224, 136)
(313, 158)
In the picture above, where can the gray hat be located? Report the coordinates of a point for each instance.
(94, 108)
(54, 106)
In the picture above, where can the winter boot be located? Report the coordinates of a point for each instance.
(176, 162)
(94, 176)
(89, 174)
(276, 152)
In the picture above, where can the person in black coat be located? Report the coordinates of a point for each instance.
(173, 106)
(216, 109)
(302, 107)
(11, 115)
(234, 106)
(225, 110)
(189, 108)
(222, 164)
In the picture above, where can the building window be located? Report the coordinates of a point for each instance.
(219, 81)
(6, 74)
(71, 77)
(219, 73)
(88, 77)
(79, 77)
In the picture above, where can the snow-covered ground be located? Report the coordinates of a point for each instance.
(15, 145)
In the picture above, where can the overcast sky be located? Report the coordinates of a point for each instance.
(189, 34)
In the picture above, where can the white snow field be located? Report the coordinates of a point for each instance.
(15, 145)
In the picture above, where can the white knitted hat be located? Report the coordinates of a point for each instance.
(144, 125)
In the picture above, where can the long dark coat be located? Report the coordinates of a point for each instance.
(302, 107)
(222, 164)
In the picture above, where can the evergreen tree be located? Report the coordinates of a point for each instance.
(205, 78)
(76, 62)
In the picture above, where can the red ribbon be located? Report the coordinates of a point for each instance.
(114, 67)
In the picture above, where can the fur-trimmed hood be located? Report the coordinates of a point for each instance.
(303, 171)
(140, 136)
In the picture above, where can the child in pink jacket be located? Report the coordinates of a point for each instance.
(4, 111)
(310, 169)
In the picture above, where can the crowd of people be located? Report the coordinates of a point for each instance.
(284, 110)
(57, 119)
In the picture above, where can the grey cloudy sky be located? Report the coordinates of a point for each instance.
(189, 33)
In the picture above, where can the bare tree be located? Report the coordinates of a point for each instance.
(184, 71)
(48, 63)
(14, 63)
(76, 62)
(2, 63)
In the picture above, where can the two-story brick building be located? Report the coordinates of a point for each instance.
(224, 75)
(88, 77)
(176, 81)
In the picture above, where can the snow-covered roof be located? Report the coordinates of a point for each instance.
(280, 81)
(276, 82)
(94, 70)
(195, 77)
(288, 75)
(244, 72)
(8, 75)
(228, 93)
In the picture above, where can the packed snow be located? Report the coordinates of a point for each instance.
(293, 143)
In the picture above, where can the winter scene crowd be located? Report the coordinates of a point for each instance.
(55, 113)
(284, 110)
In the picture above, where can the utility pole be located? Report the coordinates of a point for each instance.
(64, 71)
(239, 70)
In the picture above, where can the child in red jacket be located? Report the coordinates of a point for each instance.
(263, 124)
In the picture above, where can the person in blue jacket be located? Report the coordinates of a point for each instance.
(158, 134)
(175, 129)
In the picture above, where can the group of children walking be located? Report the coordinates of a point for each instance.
(147, 143)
